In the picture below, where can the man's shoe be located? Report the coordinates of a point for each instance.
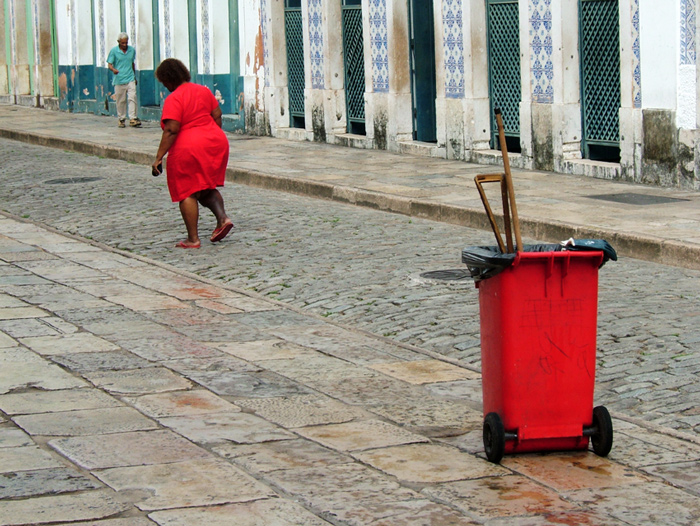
(134, 123)
(122, 124)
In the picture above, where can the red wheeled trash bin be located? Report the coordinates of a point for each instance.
(538, 355)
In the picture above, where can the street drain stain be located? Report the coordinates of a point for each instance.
(447, 275)
(73, 180)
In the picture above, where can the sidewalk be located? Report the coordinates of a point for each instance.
(661, 225)
(135, 392)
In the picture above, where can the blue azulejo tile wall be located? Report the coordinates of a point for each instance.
(379, 44)
(453, 44)
(541, 66)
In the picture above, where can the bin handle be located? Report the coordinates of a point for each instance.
(511, 223)
(509, 180)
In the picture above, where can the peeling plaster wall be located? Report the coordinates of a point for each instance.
(685, 117)
(179, 32)
(143, 40)
(19, 65)
(4, 81)
(84, 36)
(219, 37)
(111, 30)
(253, 54)
(659, 87)
(659, 32)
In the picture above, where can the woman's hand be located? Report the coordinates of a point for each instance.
(170, 130)
(157, 167)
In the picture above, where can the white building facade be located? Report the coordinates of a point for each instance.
(605, 88)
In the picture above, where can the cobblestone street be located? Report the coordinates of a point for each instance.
(362, 268)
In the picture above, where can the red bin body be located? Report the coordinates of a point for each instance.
(538, 348)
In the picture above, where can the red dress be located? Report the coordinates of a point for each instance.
(197, 159)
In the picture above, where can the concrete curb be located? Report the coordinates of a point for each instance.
(647, 248)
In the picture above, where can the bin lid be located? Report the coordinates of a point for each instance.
(486, 262)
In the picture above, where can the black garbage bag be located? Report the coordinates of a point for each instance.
(487, 262)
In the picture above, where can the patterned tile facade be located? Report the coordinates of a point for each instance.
(379, 45)
(206, 39)
(453, 40)
(167, 36)
(35, 28)
(636, 62)
(688, 9)
(132, 21)
(316, 43)
(101, 46)
(264, 25)
(74, 32)
(541, 65)
(13, 32)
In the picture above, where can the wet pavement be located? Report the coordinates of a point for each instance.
(301, 372)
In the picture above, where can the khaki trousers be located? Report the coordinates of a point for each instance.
(124, 93)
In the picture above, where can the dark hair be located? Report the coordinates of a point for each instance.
(172, 71)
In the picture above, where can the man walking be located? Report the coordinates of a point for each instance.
(121, 62)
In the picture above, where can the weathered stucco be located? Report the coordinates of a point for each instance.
(660, 154)
(659, 91)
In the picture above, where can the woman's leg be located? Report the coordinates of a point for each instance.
(189, 208)
(213, 200)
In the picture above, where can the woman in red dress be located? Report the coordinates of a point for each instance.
(197, 150)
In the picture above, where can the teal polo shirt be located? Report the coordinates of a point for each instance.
(123, 61)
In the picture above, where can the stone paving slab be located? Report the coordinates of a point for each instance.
(507, 496)
(15, 313)
(428, 463)
(80, 506)
(139, 381)
(164, 345)
(429, 416)
(214, 362)
(238, 427)
(68, 343)
(262, 351)
(35, 401)
(34, 483)
(13, 437)
(267, 512)
(303, 410)
(38, 375)
(85, 422)
(573, 471)
(127, 449)
(359, 496)
(186, 484)
(425, 371)
(130, 521)
(288, 454)
(25, 458)
(89, 362)
(6, 341)
(181, 403)
(654, 503)
(360, 435)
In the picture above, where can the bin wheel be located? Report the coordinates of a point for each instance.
(494, 437)
(602, 439)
